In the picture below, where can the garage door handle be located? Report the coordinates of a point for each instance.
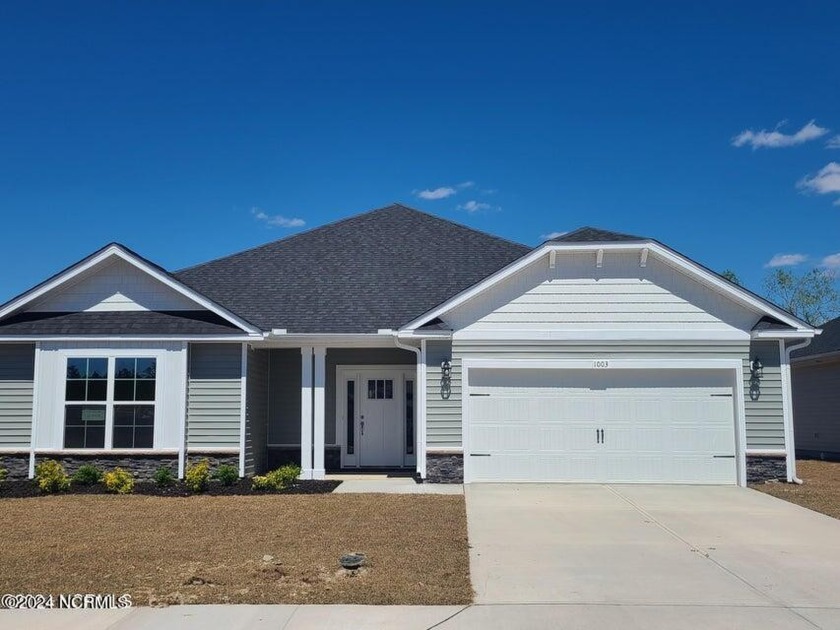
(479, 454)
(723, 456)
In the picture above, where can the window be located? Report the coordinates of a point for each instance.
(123, 392)
(351, 417)
(409, 417)
(380, 389)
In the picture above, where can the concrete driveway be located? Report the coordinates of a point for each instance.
(651, 556)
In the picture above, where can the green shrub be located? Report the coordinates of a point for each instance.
(87, 475)
(119, 480)
(276, 479)
(3, 474)
(227, 474)
(197, 476)
(51, 477)
(163, 476)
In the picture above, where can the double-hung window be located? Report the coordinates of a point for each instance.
(110, 402)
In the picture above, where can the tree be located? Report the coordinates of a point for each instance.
(731, 276)
(812, 296)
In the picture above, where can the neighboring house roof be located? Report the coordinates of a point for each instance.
(118, 323)
(770, 323)
(596, 235)
(372, 271)
(826, 343)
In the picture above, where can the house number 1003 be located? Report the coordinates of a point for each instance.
(603, 363)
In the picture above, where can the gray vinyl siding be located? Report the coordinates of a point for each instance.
(17, 374)
(284, 397)
(356, 356)
(214, 393)
(816, 407)
(765, 415)
(443, 409)
(764, 420)
(256, 418)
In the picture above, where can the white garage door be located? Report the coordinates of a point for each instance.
(654, 426)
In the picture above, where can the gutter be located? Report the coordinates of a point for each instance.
(788, 409)
(420, 396)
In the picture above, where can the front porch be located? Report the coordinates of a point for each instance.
(332, 409)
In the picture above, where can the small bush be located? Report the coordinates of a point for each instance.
(276, 479)
(198, 476)
(87, 475)
(51, 477)
(119, 480)
(163, 477)
(3, 474)
(227, 474)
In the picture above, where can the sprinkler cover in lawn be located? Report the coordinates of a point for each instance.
(352, 561)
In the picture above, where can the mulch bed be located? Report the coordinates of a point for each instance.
(820, 490)
(27, 488)
(238, 549)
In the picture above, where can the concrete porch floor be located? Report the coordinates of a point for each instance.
(389, 483)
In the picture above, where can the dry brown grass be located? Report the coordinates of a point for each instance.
(210, 549)
(820, 490)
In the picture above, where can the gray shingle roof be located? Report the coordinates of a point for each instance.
(595, 235)
(827, 342)
(770, 323)
(376, 270)
(118, 323)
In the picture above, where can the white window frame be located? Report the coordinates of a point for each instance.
(111, 355)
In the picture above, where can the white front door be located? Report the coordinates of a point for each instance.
(375, 415)
(380, 420)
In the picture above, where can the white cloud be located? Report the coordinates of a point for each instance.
(438, 193)
(833, 143)
(832, 261)
(825, 182)
(467, 184)
(474, 206)
(277, 220)
(552, 235)
(786, 260)
(776, 139)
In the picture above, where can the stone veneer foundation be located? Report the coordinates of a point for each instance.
(444, 468)
(763, 468)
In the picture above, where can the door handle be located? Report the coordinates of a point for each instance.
(363, 427)
(602, 436)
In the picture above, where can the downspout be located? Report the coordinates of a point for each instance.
(420, 411)
(788, 408)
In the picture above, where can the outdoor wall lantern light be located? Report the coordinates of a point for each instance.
(445, 379)
(757, 368)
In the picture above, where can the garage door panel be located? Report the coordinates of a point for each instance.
(658, 426)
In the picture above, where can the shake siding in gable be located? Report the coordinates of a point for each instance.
(17, 368)
(214, 395)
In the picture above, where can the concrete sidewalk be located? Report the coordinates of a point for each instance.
(537, 616)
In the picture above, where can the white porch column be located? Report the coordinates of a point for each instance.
(320, 383)
(306, 412)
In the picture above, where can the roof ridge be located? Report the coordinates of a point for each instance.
(330, 224)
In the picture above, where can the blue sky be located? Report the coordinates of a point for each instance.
(195, 129)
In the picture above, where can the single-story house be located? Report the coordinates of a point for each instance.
(397, 339)
(816, 395)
